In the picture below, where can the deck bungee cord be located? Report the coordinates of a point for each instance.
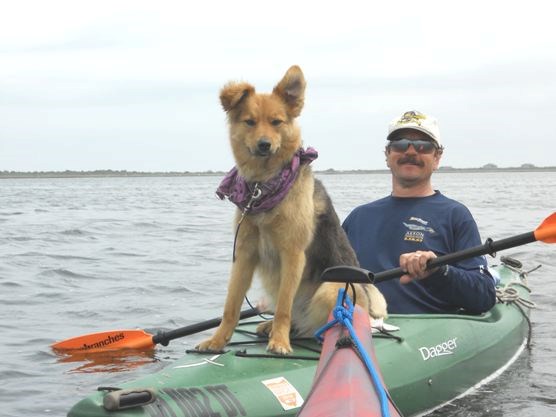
(298, 342)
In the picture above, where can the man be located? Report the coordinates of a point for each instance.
(417, 223)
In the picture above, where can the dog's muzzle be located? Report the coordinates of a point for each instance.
(263, 147)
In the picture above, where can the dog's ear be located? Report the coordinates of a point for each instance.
(292, 90)
(233, 93)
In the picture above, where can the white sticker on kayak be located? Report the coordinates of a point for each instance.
(284, 392)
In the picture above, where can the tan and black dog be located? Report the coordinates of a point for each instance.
(289, 232)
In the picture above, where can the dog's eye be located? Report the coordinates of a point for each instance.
(249, 122)
(277, 122)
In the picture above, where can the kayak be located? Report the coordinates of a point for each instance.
(429, 361)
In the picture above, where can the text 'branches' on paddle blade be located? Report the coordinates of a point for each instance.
(546, 232)
(105, 341)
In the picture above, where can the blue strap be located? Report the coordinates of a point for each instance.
(343, 315)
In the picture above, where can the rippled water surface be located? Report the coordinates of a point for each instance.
(92, 254)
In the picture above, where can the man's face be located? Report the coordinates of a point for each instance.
(411, 166)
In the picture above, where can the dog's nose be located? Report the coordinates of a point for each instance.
(263, 146)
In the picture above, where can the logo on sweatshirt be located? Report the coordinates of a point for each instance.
(416, 229)
(414, 236)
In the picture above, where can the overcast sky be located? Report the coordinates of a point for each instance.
(134, 85)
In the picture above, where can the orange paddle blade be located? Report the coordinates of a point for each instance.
(546, 232)
(105, 341)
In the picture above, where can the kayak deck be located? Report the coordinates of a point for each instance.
(431, 360)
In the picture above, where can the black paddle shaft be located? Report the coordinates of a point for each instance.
(362, 276)
(165, 337)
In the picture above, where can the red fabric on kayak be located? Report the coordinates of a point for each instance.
(342, 384)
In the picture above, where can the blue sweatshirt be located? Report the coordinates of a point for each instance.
(384, 229)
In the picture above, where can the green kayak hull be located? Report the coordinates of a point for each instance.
(432, 360)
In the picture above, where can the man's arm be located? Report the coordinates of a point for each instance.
(469, 286)
(472, 290)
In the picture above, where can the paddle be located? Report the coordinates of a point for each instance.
(136, 339)
(545, 232)
(139, 339)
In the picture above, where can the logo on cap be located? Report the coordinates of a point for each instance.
(412, 117)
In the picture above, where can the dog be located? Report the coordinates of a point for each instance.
(292, 239)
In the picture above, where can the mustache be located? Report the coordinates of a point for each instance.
(410, 160)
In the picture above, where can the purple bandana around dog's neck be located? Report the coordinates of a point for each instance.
(240, 192)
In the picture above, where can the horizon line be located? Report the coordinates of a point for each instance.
(125, 172)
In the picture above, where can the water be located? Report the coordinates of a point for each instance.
(92, 254)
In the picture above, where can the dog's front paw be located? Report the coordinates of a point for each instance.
(378, 312)
(279, 347)
(213, 344)
(265, 328)
(378, 307)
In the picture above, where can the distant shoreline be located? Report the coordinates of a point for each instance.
(125, 173)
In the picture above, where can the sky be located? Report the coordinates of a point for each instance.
(134, 85)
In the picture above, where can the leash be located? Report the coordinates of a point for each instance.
(255, 195)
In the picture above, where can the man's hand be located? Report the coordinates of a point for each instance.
(415, 264)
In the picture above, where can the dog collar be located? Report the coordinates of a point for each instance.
(255, 197)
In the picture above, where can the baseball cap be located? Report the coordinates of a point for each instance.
(418, 121)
